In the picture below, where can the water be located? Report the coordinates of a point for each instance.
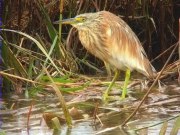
(15, 111)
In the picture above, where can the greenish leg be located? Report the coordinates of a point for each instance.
(105, 96)
(127, 77)
(108, 69)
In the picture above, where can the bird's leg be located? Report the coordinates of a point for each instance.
(127, 77)
(108, 69)
(105, 96)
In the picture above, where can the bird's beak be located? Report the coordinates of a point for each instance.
(66, 21)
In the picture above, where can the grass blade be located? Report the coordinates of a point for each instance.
(61, 99)
(38, 44)
(163, 128)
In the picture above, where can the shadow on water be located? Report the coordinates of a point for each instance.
(90, 115)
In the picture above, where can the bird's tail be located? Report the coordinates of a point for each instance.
(150, 70)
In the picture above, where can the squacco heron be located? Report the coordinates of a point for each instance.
(110, 39)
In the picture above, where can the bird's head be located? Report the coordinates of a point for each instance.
(81, 20)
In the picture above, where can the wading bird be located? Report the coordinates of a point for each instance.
(109, 38)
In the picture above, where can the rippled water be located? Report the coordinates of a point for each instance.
(15, 110)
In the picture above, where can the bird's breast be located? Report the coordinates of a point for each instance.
(93, 43)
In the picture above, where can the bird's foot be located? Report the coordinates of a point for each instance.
(122, 97)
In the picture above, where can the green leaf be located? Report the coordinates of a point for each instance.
(11, 61)
(63, 79)
(50, 28)
(176, 127)
(55, 123)
(75, 88)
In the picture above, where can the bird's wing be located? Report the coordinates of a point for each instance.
(125, 47)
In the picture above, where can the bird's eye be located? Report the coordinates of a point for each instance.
(80, 19)
(83, 19)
